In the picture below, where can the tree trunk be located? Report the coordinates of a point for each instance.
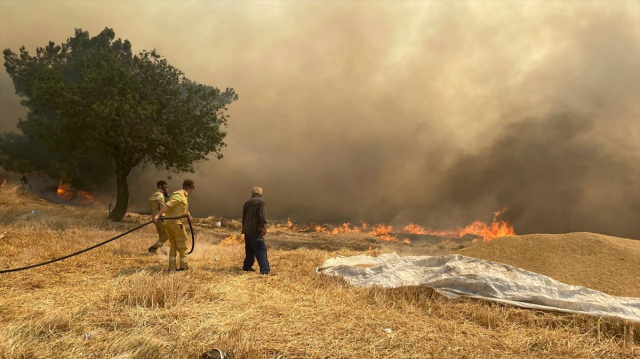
(122, 200)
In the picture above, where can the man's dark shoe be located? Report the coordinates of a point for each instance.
(248, 270)
(172, 270)
(268, 274)
(182, 269)
(152, 250)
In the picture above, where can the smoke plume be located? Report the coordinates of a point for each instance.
(430, 112)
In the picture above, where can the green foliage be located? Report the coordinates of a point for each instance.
(22, 154)
(92, 101)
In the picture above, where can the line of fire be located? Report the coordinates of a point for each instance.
(475, 232)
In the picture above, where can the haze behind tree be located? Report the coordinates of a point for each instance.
(379, 111)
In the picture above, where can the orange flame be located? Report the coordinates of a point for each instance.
(289, 226)
(416, 229)
(3, 183)
(344, 228)
(89, 197)
(321, 229)
(379, 231)
(480, 229)
(490, 231)
(382, 231)
(67, 192)
(233, 239)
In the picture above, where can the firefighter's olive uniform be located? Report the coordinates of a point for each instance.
(178, 206)
(156, 202)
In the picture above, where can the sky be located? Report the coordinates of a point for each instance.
(431, 112)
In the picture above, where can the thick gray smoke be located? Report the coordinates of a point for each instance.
(430, 112)
(551, 171)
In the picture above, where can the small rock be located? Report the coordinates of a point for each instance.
(388, 330)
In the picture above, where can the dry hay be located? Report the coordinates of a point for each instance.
(119, 302)
(604, 263)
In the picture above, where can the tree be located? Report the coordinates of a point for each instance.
(91, 100)
(22, 154)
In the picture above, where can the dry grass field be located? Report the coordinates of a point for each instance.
(118, 301)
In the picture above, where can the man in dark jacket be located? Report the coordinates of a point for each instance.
(254, 227)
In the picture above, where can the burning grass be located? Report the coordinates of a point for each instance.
(479, 229)
(68, 193)
(118, 302)
(234, 238)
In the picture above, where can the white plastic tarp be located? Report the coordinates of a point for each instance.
(455, 275)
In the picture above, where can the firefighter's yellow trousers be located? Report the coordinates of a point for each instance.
(178, 240)
(163, 236)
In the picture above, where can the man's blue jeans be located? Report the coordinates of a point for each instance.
(255, 248)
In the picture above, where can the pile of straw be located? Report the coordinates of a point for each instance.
(604, 263)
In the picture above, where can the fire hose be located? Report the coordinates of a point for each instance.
(193, 244)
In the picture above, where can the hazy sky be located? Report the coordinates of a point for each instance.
(432, 112)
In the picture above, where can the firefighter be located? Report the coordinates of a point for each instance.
(177, 206)
(156, 201)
